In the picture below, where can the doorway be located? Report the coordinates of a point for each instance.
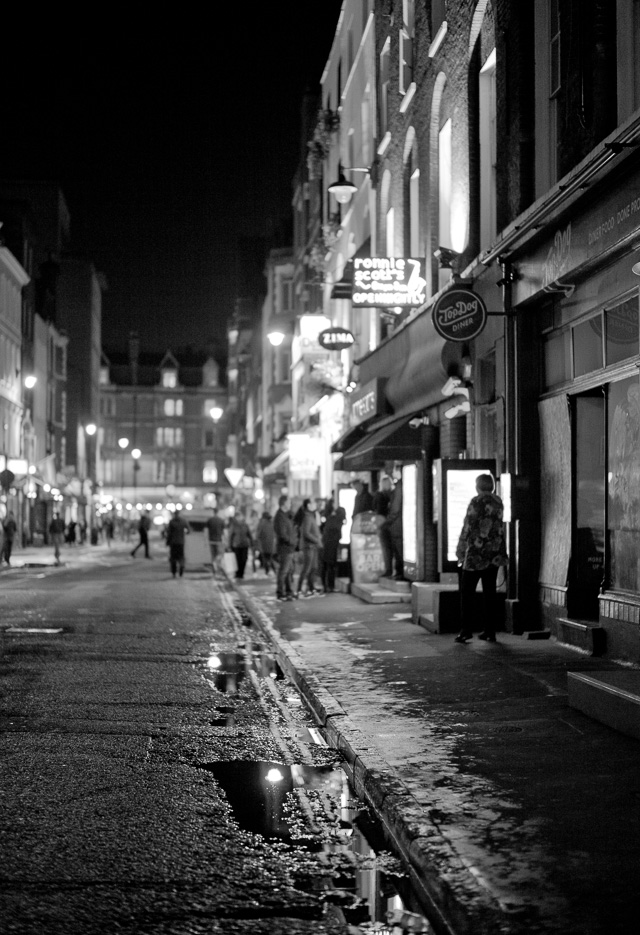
(586, 570)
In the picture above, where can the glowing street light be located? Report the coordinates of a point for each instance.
(30, 381)
(216, 413)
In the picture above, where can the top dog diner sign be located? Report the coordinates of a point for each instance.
(459, 315)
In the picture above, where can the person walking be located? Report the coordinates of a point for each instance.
(481, 552)
(266, 542)
(394, 526)
(177, 529)
(331, 532)
(285, 534)
(9, 530)
(56, 531)
(144, 525)
(240, 541)
(381, 505)
(310, 542)
(215, 529)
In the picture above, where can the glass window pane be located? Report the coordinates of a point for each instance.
(624, 484)
(622, 331)
(557, 359)
(587, 346)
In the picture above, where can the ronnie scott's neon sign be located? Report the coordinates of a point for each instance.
(387, 282)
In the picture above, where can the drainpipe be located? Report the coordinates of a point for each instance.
(511, 433)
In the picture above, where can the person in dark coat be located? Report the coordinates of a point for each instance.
(310, 542)
(215, 529)
(381, 505)
(9, 529)
(394, 526)
(285, 547)
(177, 529)
(240, 541)
(364, 500)
(144, 524)
(266, 542)
(331, 532)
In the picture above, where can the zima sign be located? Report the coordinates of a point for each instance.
(335, 339)
(387, 282)
(459, 315)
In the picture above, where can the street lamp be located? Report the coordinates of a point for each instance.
(216, 413)
(30, 381)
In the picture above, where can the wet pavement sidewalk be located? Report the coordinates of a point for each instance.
(516, 812)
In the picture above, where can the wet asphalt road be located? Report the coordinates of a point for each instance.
(112, 820)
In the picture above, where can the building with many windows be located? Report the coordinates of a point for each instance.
(162, 432)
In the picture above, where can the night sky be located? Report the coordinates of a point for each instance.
(169, 141)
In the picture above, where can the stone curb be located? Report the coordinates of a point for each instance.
(459, 903)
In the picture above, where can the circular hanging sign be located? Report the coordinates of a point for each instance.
(459, 315)
(335, 339)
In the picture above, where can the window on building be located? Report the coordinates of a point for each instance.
(623, 470)
(390, 233)
(384, 89)
(286, 294)
(209, 437)
(438, 15)
(107, 405)
(169, 378)
(168, 471)
(406, 46)
(412, 209)
(168, 436)
(628, 57)
(209, 473)
(621, 327)
(487, 127)
(104, 376)
(444, 194)
(173, 407)
(587, 346)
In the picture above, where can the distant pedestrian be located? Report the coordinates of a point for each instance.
(285, 547)
(331, 533)
(381, 507)
(266, 542)
(107, 526)
(215, 530)
(177, 529)
(363, 502)
(144, 524)
(310, 543)
(240, 541)
(481, 552)
(56, 531)
(9, 530)
(394, 526)
(71, 532)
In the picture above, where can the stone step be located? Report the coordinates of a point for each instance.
(374, 594)
(390, 584)
(584, 635)
(611, 697)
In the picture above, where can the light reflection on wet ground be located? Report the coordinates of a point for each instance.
(305, 809)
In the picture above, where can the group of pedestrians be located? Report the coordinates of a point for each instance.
(317, 540)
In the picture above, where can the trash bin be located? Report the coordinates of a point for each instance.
(367, 563)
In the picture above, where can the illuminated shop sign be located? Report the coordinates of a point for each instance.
(459, 315)
(367, 402)
(388, 282)
(335, 339)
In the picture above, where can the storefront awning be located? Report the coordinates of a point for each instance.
(396, 441)
(353, 434)
(277, 465)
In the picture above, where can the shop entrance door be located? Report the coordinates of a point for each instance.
(589, 516)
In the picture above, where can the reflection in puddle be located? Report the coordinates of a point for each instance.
(314, 808)
(227, 669)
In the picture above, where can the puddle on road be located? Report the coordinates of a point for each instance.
(226, 670)
(309, 809)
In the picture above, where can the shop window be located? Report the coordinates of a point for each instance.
(557, 359)
(587, 346)
(621, 324)
(173, 407)
(623, 493)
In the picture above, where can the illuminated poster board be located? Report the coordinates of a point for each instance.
(454, 485)
(410, 513)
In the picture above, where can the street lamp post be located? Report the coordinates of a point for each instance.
(123, 443)
(135, 454)
(90, 430)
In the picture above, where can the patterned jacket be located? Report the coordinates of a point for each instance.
(482, 542)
